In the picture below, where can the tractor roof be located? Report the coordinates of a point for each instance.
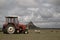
(11, 17)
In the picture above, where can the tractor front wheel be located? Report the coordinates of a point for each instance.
(26, 31)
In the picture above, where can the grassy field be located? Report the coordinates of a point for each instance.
(44, 35)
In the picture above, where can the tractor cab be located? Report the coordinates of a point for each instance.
(12, 20)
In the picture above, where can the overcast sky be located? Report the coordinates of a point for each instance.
(43, 13)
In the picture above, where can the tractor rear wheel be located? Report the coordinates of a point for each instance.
(10, 29)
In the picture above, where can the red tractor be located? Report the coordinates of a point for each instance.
(12, 26)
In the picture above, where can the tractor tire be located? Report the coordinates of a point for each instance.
(26, 31)
(10, 29)
(20, 30)
(4, 30)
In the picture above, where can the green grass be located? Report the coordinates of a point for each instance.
(44, 35)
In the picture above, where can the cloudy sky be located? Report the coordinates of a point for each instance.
(43, 13)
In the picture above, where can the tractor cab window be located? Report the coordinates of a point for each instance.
(12, 20)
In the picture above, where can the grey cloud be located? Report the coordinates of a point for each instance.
(54, 2)
(43, 13)
(26, 3)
